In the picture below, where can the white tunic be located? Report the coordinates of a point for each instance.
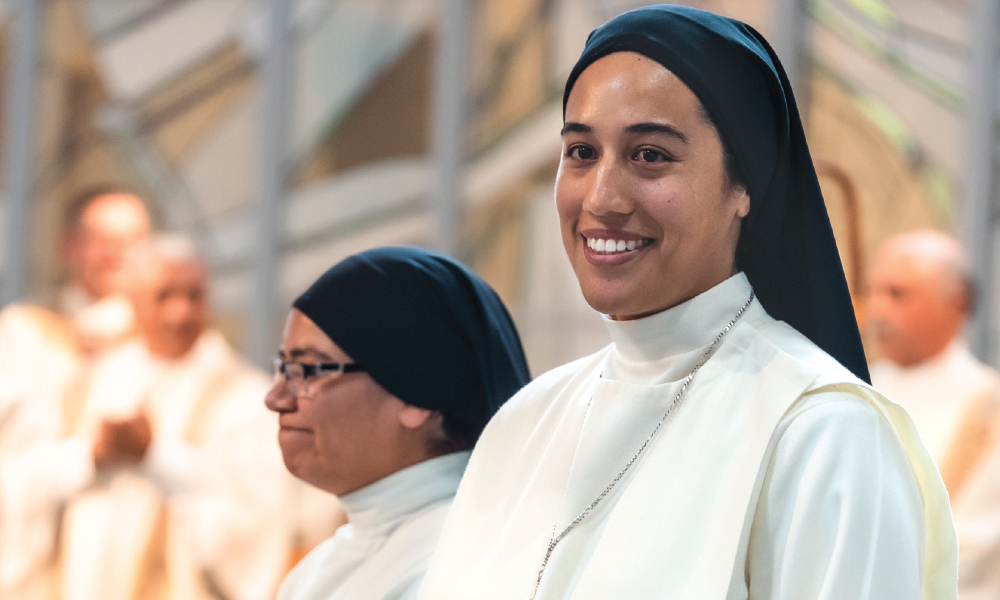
(384, 549)
(938, 393)
(779, 476)
(204, 508)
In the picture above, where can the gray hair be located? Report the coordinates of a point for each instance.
(162, 247)
(170, 246)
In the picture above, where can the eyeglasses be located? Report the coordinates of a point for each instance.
(301, 376)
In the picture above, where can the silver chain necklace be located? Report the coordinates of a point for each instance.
(555, 539)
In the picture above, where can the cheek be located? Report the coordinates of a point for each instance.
(569, 206)
(908, 321)
(343, 430)
(888, 309)
(569, 199)
(670, 207)
(298, 452)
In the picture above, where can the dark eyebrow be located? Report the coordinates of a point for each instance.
(575, 128)
(308, 352)
(660, 128)
(638, 128)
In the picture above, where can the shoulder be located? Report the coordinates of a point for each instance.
(803, 351)
(26, 320)
(546, 394)
(842, 505)
(837, 450)
(837, 411)
(833, 411)
(542, 388)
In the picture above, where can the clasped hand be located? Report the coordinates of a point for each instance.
(123, 442)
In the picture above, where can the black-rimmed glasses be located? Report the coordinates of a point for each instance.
(299, 375)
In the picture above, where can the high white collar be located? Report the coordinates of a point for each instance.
(664, 346)
(377, 508)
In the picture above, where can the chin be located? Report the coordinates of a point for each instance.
(610, 302)
(302, 473)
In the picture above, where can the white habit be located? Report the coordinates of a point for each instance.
(955, 403)
(201, 516)
(383, 551)
(779, 476)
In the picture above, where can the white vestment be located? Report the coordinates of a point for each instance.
(41, 357)
(383, 551)
(201, 516)
(941, 395)
(779, 476)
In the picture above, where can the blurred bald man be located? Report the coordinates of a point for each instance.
(42, 349)
(99, 228)
(921, 292)
(186, 487)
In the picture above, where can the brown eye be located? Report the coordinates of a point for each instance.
(582, 152)
(647, 155)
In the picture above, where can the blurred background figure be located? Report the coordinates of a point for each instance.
(100, 226)
(921, 294)
(42, 348)
(183, 484)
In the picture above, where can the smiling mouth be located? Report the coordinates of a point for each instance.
(609, 246)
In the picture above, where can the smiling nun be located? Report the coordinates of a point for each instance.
(727, 444)
(390, 365)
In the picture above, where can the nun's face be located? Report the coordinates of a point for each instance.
(346, 431)
(648, 216)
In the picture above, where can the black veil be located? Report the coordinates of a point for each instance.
(786, 246)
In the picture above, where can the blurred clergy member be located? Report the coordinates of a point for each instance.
(391, 365)
(921, 293)
(42, 348)
(184, 483)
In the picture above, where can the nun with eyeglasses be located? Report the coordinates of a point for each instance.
(390, 365)
(727, 444)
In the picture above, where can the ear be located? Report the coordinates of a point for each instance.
(742, 198)
(413, 417)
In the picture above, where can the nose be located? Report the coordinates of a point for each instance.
(280, 399)
(604, 195)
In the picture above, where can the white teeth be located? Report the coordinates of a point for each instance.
(610, 246)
